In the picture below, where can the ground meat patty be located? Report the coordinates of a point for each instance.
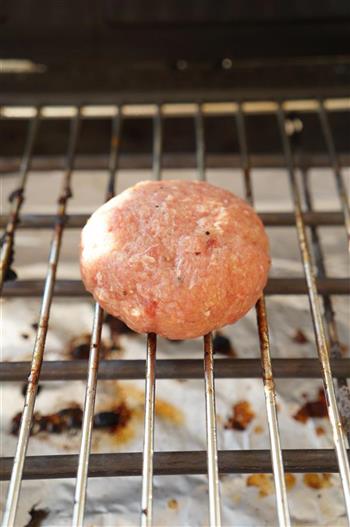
(177, 258)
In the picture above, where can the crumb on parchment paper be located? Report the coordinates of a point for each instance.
(320, 431)
(313, 408)
(317, 481)
(258, 429)
(242, 415)
(265, 483)
(299, 337)
(173, 504)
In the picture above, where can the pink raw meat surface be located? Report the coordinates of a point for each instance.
(176, 258)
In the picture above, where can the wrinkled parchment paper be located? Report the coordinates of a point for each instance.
(180, 419)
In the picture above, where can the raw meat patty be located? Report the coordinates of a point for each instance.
(176, 258)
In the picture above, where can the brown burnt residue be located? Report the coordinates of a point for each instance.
(222, 344)
(33, 378)
(37, 516)
(315, 408)
(258, 429)
(320, 431)
(263, 482)
(168, 412)
(242, 415)
(118, 422)
(299, 337)
(344, 349)
(173, 504)
(25, 387)
(70, 419)
(78, 348)
(15, 424)
(117, 328)
(317, 481)
(290, 480)
(136, 398)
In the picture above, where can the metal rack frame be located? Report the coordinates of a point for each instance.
(328, 367)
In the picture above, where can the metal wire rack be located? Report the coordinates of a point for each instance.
(330, 366)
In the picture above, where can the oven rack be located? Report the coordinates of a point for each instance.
(330, 367)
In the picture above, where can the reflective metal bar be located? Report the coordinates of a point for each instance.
(342, 191)
(95, 108)
(143, 160)
(269, 384)
(90, 393)
(88, 417)
(39, 346)
(17, 198)
(173, 369)
(270, 219)
(147, 463)
(173, 463)
(148, 445)
(212, 451)
(200, 143)
(322, 347)
(157, 143)
(275, 286)
(342, 392)
(213, 474)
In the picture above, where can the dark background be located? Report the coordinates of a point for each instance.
(132, 50)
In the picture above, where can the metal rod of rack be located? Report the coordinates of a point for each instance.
(90, 393)
(39, 346)
(88, 417)
(173, 463)
(210, 461)
(124, 369)
(157, 143)
(209, 384)
(270, 219)
(140, 160)
(150, 378)
(148, 445)
(322, 347)
(17, 198)
(200, 142)
(212, 449)
(339, 180)
(275, 286)
(268, 380)
(342, 392)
